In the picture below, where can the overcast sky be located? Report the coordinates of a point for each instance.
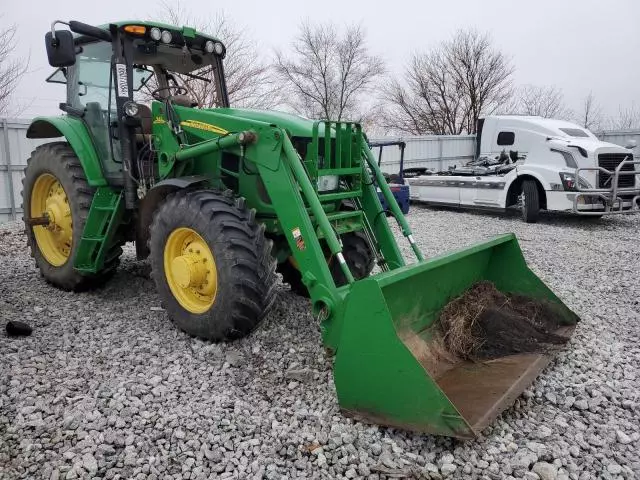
(576, 45)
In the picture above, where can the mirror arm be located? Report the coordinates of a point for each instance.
(80, 28)
(54, 40)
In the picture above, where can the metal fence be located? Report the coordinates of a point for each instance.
(15, 148)
(437, 152)
(433, 151)
(622, 138)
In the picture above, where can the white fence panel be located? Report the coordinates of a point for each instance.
(15, 148)
(436, 152)
(622, 138)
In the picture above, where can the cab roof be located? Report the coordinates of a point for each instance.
(547, 126)
(188, 32)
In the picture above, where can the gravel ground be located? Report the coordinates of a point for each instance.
(106, 386)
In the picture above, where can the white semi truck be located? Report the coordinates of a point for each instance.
(535, 164)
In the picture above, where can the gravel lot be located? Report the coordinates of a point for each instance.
(106, 386)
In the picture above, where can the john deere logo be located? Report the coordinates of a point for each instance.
(203, 126)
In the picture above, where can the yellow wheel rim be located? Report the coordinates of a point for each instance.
(55, 239)
(190, 270)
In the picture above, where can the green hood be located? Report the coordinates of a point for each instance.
(296, 125)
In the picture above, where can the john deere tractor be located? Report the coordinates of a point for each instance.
(221, 198)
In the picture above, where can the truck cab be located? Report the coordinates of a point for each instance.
(563, 166)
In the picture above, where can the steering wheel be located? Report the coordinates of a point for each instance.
(177, 90)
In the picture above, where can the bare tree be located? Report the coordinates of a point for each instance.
(328, 72)
(11, 70)
(591, 116)
(429, 101)
(628, 118)
(484, 73)
(250, 80)
(543, 101)
(446, 89)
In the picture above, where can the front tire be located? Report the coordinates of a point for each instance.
(530, 201)
(211, 264)
(55, 184)
(357, 253)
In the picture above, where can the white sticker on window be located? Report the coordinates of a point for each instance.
(121, 77)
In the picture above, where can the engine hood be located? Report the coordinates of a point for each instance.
(591, 145)
(296, 125)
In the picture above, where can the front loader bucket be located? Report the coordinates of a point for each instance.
(384, 372)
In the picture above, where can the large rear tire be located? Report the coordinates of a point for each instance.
(211, 264)
(54, 183)
(530, 201)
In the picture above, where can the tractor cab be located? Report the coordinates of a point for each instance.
(113, 72)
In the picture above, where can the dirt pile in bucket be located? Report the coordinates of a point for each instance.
(484, 323)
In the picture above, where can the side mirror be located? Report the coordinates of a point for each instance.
(631, 144)
(61, 50)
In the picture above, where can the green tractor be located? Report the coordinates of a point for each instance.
(220, 199)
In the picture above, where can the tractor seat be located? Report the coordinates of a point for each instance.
(144, 114)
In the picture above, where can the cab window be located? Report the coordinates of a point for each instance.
(91, 77)
(506, 138)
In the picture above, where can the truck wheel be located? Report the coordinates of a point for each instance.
(211, 264)
(358, 255)
(54, 184)
(530, 201)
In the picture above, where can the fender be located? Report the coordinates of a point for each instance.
(532, 173)
(152, 201)
(507, 195)
(75, 132)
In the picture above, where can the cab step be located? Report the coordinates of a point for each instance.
(104, 218)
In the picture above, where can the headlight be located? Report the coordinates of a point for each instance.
(208, 46)
(569, 182)
(155, 33)
(131, 109)
(166, 36)
(327, 182)
(218, 48)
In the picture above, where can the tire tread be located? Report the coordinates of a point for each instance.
(252, 271)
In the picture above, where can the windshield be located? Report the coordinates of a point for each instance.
(575, 132)
(195, 70)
